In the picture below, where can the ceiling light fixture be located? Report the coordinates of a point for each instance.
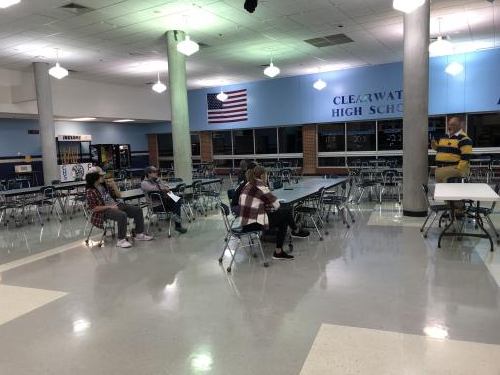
(454, 68)
(272, 71)
(124, 120)
(407, 6)
(440, 46)
(58, 71)
(319, 84)
(159, 87)
(222, 96)
(187, 46)
(8, 3)
(83, 119)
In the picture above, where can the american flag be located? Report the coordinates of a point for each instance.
(233, 109)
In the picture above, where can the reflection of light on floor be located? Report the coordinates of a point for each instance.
(81, 325)
(436, 332)
(171, 287)
(201, 362)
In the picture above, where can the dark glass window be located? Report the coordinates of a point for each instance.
(484, 129)
(331, 138)
(437, 128)
(361, 136)
(223, 163)
(290, 139)
(359, 161)
(331, 162)
(243, 142)
(390, 135)
(266, 141)
(221, 143)
(195, 144)
(165, 145)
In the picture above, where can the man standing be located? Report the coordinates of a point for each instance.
(453, 152)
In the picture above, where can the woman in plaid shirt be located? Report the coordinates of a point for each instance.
(260, 210)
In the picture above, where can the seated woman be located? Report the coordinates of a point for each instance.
(260, 210)
(152, 183)
(102, 203)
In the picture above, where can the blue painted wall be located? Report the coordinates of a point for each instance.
(14, 137)
(293, 100)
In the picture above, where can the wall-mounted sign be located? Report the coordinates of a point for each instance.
(70, 172)
(74, 138)
(375, 103)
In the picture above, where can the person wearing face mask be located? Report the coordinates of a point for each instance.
(152, 183)
(453, 152)
(101, 199)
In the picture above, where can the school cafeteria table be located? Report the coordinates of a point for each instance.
(305, 189)
(470, 192)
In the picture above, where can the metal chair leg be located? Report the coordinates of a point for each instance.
(430, 225)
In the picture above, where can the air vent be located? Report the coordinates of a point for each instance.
(77, 8)
(329, 40)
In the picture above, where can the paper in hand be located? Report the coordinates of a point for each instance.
(174, 197)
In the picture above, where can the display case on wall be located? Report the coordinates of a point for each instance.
(73, 156)
(111, 157)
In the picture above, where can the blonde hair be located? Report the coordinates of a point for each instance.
(255, 173)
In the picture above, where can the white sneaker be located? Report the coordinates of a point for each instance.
(124, 244)
(143, 237)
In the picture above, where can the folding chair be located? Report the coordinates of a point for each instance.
(314, 212)
(47, 199)
(239, 234)
(435, 209)
(340, 201)
(159, 211)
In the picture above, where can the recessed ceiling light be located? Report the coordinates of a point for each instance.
(124, 120)
(8, 3)
(83, 119)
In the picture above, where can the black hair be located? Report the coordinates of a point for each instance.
(91, 179)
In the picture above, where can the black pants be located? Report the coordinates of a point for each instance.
(281, 220)
(170, 206)
(120, 216)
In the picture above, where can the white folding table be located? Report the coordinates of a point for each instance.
(465, 192)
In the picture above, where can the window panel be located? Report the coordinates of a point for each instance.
(290, 139)
(221, 143)
(165, 145)
(331, 162)
(195, 144)
(484, 129)
(437, 128)
(266, 141)
(361, 136)
(390, 135)
(243, 142)
(331, 138)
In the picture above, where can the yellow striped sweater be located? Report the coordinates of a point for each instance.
(454, 150)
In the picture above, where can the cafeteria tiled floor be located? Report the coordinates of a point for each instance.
(373, 299)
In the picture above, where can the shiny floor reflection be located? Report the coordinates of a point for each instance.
(167, 307)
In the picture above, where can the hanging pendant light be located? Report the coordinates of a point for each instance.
(159, 87)
(272, 71)
(8, 3)
(407, 6)
(454, 68)
(440, 46)
(187, 46)
(222, 96)
(58, 71)
(319, 84)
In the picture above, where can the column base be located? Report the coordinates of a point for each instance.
(415, 213)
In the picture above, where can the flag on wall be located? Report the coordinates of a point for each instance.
(233, 109)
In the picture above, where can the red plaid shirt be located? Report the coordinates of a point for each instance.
(94, 199)
(256, 200)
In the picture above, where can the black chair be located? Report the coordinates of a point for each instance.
(157, 208)
(313, 212)
(485, 211)
(390, 184)
(433, 209)
(340, 201)
(238, 233)
(47, 199)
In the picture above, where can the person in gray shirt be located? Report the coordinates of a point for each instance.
(152, 183)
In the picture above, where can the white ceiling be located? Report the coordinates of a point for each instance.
(122, 41)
